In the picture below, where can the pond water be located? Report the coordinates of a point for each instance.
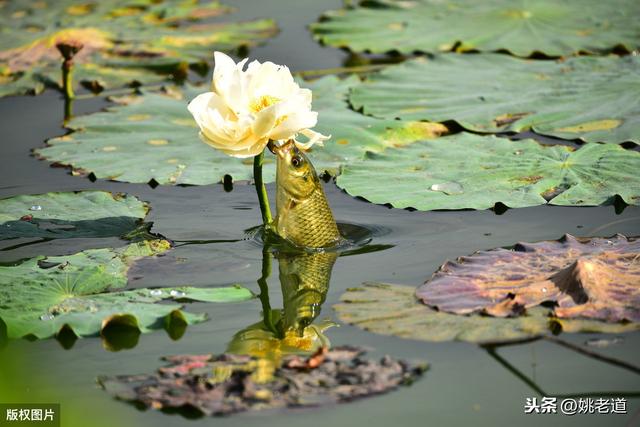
(464, 385)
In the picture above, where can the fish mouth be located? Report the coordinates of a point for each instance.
(281, 149)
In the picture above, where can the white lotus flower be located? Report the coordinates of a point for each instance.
(247, 108)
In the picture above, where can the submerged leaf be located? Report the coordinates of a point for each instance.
(389, 309)
(226, 384)
(472, 171)
(555, 28)
(123, 42)
(596, 278)
(588, 98)
(83, 293)
(154, 137)
(72, 214)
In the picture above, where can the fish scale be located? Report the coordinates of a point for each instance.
(303, 214)
(310, 222)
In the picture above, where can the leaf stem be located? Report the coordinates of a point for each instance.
(611, 360)
(263, 197)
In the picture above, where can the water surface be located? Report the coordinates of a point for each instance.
(465, 385)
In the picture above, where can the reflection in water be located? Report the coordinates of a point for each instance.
(304, 280)
(492, 350)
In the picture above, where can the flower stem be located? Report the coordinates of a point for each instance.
(67, 79)
(263, 197)
(267, 313)
(68, 109)
(68, 49)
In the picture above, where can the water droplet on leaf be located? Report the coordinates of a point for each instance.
(47, 316)
(35, 208)
(449, 188)
(604, 342)
(155, 292)
(177, 294)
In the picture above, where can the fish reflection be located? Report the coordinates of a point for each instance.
(305, 281)
(293, 329)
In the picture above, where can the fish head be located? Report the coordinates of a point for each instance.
(295, 173)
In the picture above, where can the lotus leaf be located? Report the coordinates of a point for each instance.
(83, 292)
(587, 98)
(227, 384)
(352, 133)
(472, 171)
(124, 41)
(552, 27)
(390, 309)
(158, 128)
(149, 137)
(596, 278)
(72, 214)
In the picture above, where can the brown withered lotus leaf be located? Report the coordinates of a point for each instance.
(596, 278)
(226, 384)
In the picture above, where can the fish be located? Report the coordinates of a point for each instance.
(303, 215)
(304, 279)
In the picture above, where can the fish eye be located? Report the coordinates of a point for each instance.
(297, 161)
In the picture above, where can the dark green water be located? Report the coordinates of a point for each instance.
(465, 385)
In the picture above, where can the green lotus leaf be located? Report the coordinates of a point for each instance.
(588, 98)
(153, 136)
(352, 133)
(389, 309)
(83, 292)
(124, 41)
(472, 171)
(71, 214)
(555, 28)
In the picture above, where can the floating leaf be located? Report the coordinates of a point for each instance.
(524, 28)
(155, 137)
(472, 171)
(123, 41)
(353, 134)
(394, 310)
(82, 292)
(596, 278)
(150, 137)
(72, 214)
(587, 98)
(226, 384)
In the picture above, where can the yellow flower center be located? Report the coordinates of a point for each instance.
(263, 102)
